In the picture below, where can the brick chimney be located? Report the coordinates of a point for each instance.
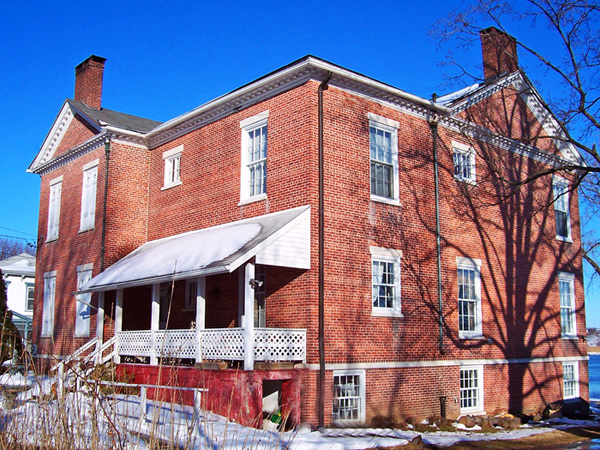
(88, 81)
(499, 52)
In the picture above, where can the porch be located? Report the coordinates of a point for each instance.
(202, 296)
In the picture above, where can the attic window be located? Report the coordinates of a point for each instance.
(172, 160)
(463, 157)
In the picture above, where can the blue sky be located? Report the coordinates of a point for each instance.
(166, 58)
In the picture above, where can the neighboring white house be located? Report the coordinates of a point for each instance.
(19, 277)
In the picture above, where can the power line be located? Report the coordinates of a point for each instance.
(17, 231)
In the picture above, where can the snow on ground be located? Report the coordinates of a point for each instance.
(37, 415)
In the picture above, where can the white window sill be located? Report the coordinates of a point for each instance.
(169, 186)
(575, 399)
(466, 180)
(81, 335)
(564, 239)
(256, 198)
(386, 313)
(45, 335)
(52, 239)
(388, 201)
(83, 230)
(569, 337)
(473, 337)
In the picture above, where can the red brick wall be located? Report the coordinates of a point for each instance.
(515, 242)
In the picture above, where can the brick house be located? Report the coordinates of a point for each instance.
(317, 237)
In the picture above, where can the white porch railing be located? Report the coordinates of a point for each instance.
(270, 344)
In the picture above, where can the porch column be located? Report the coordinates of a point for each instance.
(100, 324)
(200, 315)
(154, 322)
(248, 317)
(118, 321)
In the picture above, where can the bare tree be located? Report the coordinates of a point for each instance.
(10, 246)
(570, 73)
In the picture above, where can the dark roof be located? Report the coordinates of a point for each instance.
(120, 120)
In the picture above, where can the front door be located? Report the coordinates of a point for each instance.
(260, 297)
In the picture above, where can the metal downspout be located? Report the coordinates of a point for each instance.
(321, 406)
(103, 239)
(433, 124)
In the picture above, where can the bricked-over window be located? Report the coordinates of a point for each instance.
(385, 275)
(383, 143)
(54, 208)
(471, 389)
(570, 380)
(567, 304)
(469, 297)
(348, 396)
(560, 188)
(254, 157)
(82, 319)
(172, 160)
(48, 305)
(88, 196)
(463, 158)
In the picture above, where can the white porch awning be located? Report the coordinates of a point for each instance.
(280, 239)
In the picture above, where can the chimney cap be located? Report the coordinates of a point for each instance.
(91, 58)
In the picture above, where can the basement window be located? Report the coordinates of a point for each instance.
(348, 397)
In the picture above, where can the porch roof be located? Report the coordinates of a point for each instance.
(281, 238)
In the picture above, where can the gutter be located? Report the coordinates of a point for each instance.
(321, 407)
(433, 124)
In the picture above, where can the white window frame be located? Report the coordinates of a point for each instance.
(172, 173)
(570, 380)
(470, 264)
(29, 287)
(478, 390)
(393, 257)
(462, 155)
(361, 397)
(249, 125)
(191, 294)
(49, 304)
(54, 195)
(568, 316)
(82, 302)
(560, 195)
(88, 196)
(391, 126)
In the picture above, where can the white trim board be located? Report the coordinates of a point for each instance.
(443, 363)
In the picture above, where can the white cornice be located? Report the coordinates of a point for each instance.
(55, 135)
(74, 153)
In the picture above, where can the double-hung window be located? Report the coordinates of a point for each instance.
(54, 208)
(172, 160)
(83, 306)
(48, 306)
(471, 389)
(570, 380)
(348, 396)
(29, 297)
(254, 158)
(385, 276)
(88, 196)
(560, 190)
(469, 297)
(463, 158)
(383, 144)
(191, 293)
(567, 304)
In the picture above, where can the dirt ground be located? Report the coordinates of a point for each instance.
(540, 441)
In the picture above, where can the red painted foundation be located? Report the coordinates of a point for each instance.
(236, 394)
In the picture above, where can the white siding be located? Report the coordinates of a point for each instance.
(290, 250)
